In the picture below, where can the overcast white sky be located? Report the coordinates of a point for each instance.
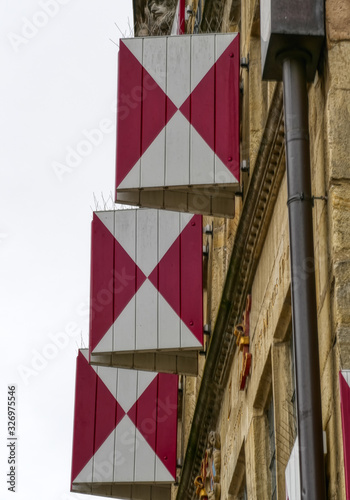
(58, 82)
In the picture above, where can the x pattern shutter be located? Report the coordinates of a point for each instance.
(125, 427)
(146, 281)
(178, 122)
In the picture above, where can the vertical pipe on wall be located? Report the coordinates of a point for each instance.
(304, 310)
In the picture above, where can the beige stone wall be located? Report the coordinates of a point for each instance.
(242, 421)
(330, 159)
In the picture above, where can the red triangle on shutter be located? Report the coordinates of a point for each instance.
(96, 414)
(115, 278)
(213, 108)
(166, 276)
(227, 108)
(157, 110)
(155, 416)
(177, 274)
(101, 300)
(167, 420)
(127, 279)
(108, 414)
(199, 108)
(84, 415)
(191, 277)
(144, 413)
(129, 113)
(143, 111)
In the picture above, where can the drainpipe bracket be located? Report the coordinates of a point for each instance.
(301, 197)
(323, 198)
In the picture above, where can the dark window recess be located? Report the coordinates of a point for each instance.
(245, 496)
(293, 401)
(243, 493)
(272, 465)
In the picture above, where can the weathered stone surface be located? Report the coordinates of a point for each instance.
(334, 467)
(339, 207)
(343, 344)
(332, 425)
(285, 416)
(342, 292)
(322, 266)
(338, 20)
(257, 452)
(242, 420)
(327, 388)
(220, 251)
(338, 127)
(173, 491)
(338, 60)
(325, 334)
(317, 148)
(257, 100)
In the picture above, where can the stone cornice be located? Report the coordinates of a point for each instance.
(251, 232)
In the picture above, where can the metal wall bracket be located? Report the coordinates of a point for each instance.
(208, 229)
(207, 329)
(203, 352)
(323, 198)
(245, 166)
(245, 62)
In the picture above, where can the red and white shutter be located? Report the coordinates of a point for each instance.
(146, 284)
(178, 123)
(292, 474)
(125, 432)
(344, 383)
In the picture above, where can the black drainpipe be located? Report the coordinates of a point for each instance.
(304, 309)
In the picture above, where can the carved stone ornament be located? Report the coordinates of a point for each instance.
(154, 17)
(208, 483)
(241, 332)
(200, 490)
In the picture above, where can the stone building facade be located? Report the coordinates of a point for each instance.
(251, 432)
